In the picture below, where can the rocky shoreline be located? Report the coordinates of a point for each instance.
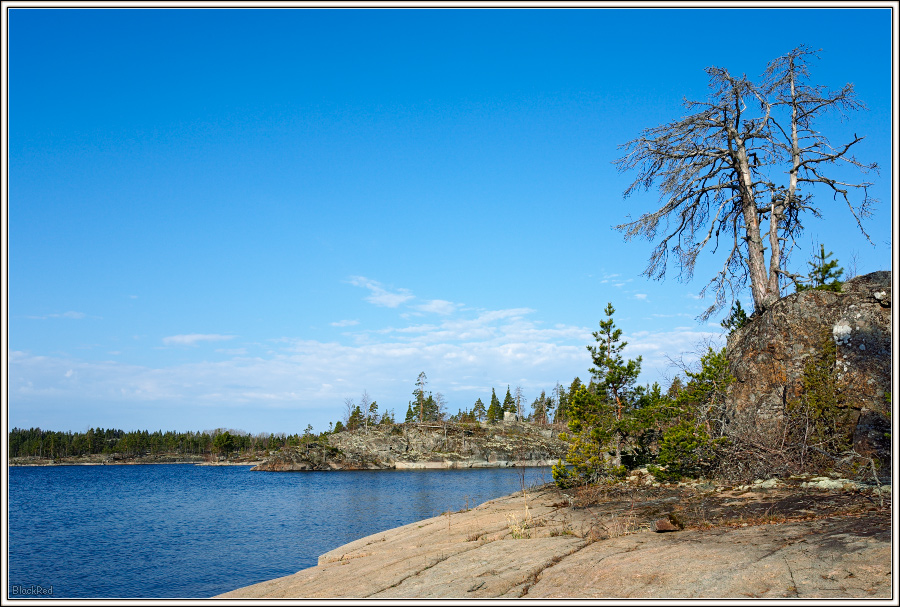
(807, 538)
(22, 462)
(425, 446)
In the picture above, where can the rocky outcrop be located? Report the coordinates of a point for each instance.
(736, 543)
(768, 355)
(425, 446)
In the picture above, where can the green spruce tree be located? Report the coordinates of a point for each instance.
(824, 275)
(607, 414)
(614, 375)
(495, 411)
(478, 411)
(509, 404)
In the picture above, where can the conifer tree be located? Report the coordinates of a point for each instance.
(736, 319)
(478, 411)
(695, 419)
(824, 275)
(540, 407)
(419, 393)
(602, 414)
(356, 419)
(430, 409)
(495, 411)
(615, 377)
(373, 413)
(508, 403)
(562, 404)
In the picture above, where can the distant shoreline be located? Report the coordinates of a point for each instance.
(132, 462)
(439, 465)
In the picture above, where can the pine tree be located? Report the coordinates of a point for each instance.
(590, 423)
(387, 418)
(478, 411)
(373, 413)
(821, 272)
(562, 404)
(736, 319)
(410, 415)
(607, 412)
(495, 411)
(508, 403)
(419, 393)
(695, 419)
(356, 419)
(430, 409)
(540, 407)
(675, 388)
(614, 376)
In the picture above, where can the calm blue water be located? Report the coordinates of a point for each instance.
(167, 531)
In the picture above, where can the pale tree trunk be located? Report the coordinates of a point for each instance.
(776, 215)
(763, 294)
(618, 436)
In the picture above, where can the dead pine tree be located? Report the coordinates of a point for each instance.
(740, 171)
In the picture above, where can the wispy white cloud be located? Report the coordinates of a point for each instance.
(640, 296)
(464, 351)
(307, 380)
(379, 295)
(345, 323)
(70, 315)
(438, 306)
(232, 351)
(193, 339)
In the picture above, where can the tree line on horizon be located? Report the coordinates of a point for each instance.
(50, 444)
(561, 407)
(53, 444)
(428, 407)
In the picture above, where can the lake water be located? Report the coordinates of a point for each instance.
(168, 531)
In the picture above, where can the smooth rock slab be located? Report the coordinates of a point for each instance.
(475, 554)
(809, 560)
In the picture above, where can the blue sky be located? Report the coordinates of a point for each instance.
(239, 218)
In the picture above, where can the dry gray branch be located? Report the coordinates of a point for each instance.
(717, 170)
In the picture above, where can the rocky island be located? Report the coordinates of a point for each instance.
(437, 445)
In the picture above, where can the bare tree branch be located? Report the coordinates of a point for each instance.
(715, 172)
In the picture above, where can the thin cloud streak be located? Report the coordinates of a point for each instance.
(72, 315)
(379, 295)
(193, 339)
(463, 357)
(345, 323)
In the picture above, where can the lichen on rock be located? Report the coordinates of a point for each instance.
(437, 445)
(768, 357)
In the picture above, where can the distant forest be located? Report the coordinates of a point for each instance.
(35, 442)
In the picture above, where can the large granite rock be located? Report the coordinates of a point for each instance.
(425, 446)
(767, 356)
(534, 545)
